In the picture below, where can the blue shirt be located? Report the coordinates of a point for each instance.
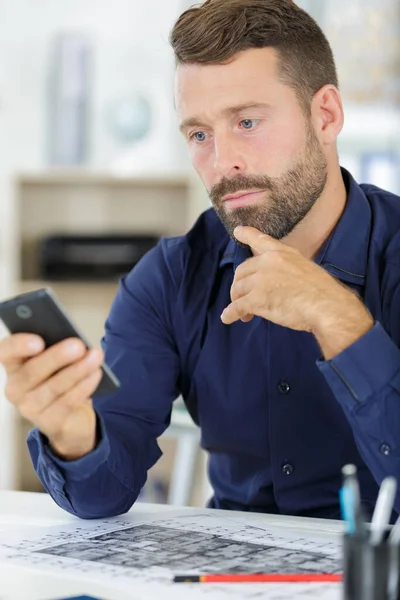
(278, 421)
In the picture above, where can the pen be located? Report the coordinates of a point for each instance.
(347, 507)
(350, 501)
(383, 509)
(261, 578)
(349, 475)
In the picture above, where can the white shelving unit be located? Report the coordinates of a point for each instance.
(77, 201)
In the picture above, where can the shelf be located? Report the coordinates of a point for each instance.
(82, 202)
(68, 287)
(101, 178)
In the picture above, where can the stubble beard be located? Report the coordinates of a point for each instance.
(289, 197)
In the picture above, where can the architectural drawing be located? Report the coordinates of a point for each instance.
(146, 546)
(147, 553)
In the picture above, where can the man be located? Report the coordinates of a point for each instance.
(282, 335)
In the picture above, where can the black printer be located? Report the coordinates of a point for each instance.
(91, 257)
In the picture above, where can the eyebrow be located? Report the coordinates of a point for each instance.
(230, 111)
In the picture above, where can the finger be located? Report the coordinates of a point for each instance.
(40, 368)
(15, 349)
(258, 242)
(248, 267)
(36, 401)
(236, 310)
(55, 414)
(247, 318)
(242, 287)
(84, 390)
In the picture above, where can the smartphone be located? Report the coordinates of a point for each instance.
(40, 312)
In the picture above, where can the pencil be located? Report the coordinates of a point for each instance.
(260, 578)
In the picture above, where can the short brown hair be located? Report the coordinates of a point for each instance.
(213, 32)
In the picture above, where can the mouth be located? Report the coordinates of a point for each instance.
(232, 201)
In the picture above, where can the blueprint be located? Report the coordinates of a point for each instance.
(143, 554)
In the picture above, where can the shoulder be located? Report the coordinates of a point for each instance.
(385, 213)
(204, 244)
(176, 257)
(382, 199)
(384, 254)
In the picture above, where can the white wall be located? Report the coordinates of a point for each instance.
(131, 52)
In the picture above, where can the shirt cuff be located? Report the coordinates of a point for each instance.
(363, 369)
(82, 468)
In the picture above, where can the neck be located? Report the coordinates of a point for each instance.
(310, 235)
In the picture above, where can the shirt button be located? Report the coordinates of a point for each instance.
(385, 449)
(287, 469)
(283, 387)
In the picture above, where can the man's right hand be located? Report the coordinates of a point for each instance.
(52, 388)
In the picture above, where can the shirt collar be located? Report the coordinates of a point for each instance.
(234, 254)
(345, 253)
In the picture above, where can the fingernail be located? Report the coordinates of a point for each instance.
(94, 355)
(95, 374)
(35, 344)
(238, 229)
(73, 347)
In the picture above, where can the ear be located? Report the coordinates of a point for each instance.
(327, 114)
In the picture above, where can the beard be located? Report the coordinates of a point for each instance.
(290, 196)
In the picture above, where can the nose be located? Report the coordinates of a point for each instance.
(228, 158)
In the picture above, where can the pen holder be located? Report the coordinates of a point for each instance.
(370, 572)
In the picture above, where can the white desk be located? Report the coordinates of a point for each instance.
(28, 509)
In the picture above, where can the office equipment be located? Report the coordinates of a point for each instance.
(260, 578)
(350, 499)
(139, 553)
(370, 556)
(91, 257)
(349, 474)
(347, 501)
(383, 509)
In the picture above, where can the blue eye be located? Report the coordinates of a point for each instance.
(248, 123)
(199, 136)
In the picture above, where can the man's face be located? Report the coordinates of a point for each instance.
(250, 142)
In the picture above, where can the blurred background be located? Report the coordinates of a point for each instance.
(93, 170)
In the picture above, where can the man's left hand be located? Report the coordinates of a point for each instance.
(281, 285)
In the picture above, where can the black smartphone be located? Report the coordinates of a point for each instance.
(40, 312)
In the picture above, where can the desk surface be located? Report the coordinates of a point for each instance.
(30, 510)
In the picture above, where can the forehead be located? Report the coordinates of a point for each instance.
(250, 74)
